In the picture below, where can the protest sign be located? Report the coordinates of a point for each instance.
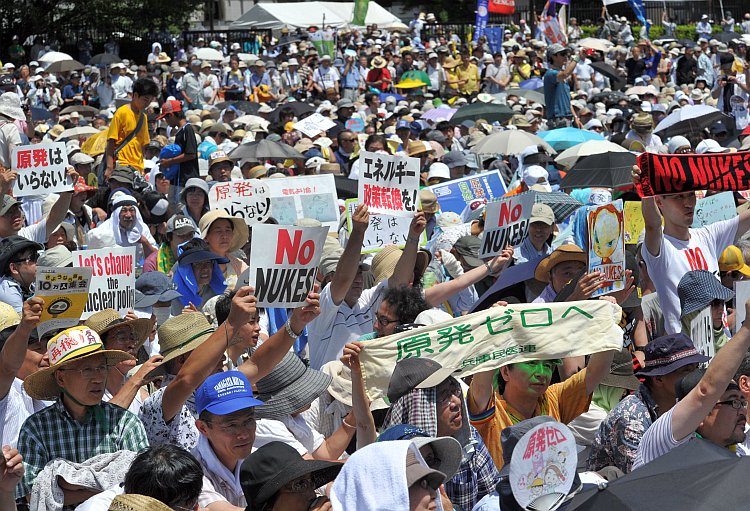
(702, 333)
(457, 193)
(741, 296)
(249, 199)
(606, 237)
(64, 292)
(496, 337)
(675, 173)
(355, 124)
(388, 184)
(315, 197)
(314, 124)
(112, 278)
(40, 168)
(714, 208)
(283, 267)
(383, 230)
(634, 223)
(506, 223)
(543, 465)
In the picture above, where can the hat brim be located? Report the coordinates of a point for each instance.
(150, 300)
(233, 405)
(447, 450)
(141, 329)
(321, 472)
(545, 265)
(202, 255)
(629, 382)
(300, 393)
(670, 368)
(42, 385)
(181, 350)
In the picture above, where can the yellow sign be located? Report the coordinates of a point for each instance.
(634, 223)
(64, 292)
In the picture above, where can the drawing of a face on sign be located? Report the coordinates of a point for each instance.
(605, 232)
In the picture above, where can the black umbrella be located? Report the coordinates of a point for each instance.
(509, 283)
(104, 59)
(346, 188)
(608, 97)
(698, 475)
(562, 204)
(725, 37)
(616, 80)
(490, 112)
(608, 170)
(265, 150)
(299, 108)
(86, 111)
(247, 107)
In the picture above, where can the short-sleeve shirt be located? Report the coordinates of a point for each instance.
(556, 95)
(562, 401)
(185, 138)
(658, 441)
(181, 429)
(677, 257)
(124, 123)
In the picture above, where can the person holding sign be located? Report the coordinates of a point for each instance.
(226, 234)
(677, 248)
(197, 276)
(18, 258)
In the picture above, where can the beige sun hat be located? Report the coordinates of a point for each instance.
(384, 262)
(182, 334)
(240, 233)
(68, 346)
(135, 502)
(108, 319)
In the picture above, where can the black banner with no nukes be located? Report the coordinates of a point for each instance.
(675, 173)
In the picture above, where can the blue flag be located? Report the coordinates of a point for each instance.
(640, 12)
(481, 21)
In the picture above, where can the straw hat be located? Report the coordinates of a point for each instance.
(240, 233)
(68, 346)
(163, 58)
(379, 62)
(182, 334)
(450, 63)
(8, 316)
(135, 502)
(257, 171)
(107, 319)
(341, 385)
(568, 252)
(384, 262)
(418, 148)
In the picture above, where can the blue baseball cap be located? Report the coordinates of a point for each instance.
(401, 432)
(225, 393)
(403, 125)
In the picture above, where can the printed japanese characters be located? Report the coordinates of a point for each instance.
(65, 293)
(40, 168)
(249, 199)
(389, 184)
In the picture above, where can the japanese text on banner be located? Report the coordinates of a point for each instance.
(314, 124)
(248, 199)
(64, 292)
(298, 197)
(496, 337)
(283, 267)
(389, 184)
(382, 230)
(606, 236)
(40, 168)
(112, 278)
(506, 223)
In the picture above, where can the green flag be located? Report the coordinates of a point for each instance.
(360, 12)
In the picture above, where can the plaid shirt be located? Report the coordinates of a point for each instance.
(476, 476)
(54, 433)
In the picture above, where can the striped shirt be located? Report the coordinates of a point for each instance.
(658, 441)
(54, 433)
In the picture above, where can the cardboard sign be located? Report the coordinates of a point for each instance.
(702, 333)
(634, 223)
(741, 296)
(543, 465)
(383, 230)
(41, 169)
(606, 236)
(506, 223)
(314, 124)
(112, 278)
(249, 199)
(714, 208)
(388, 184)
(283, 267)
(454, 195)
(64, 292)
(315, 197)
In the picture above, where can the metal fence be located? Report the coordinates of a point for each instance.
(247, 39)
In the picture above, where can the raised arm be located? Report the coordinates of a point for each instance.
(60, 208)
(346, 269)
(403, 273)
(690, 411)
(366, 431)
(651, 218)
(598, 367)
(14, 350)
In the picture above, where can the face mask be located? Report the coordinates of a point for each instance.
(162, 314)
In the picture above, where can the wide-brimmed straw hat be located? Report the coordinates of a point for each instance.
(384, 262)
(68, 346)
(289, 387)
(275, 464)
(182, 334)
(379, 62)
(621, 372)
(107, 319)
(240, 233)
(568, 252)
(135, 502)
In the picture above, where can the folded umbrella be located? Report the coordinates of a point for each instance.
(509, 142)
(608, 170)
(692, 119)
(570, 156)
(265, 150)
(564, 138)
(490, 112)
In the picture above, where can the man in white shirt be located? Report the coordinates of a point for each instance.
(122, 85)
(676, 248)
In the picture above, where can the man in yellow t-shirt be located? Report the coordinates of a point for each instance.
(468, 75)
(520, 70)
(524, 391)
(124, 123)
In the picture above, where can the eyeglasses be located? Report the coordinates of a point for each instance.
(383, 320)
(123, 338)
(33, 258)
(300, 485)
(90, 372)
(447, 394)
(737, 404)
(424, 483)
(235, 429)
(348, 139)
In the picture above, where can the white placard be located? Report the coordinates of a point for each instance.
(382, 230)
(314, 124)
(283, 266)
(506, 223)
(40, 168)
(388, 184)
(702, 333)
(315, 197)
(112, 278)
(249, 199)
(741, 296)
